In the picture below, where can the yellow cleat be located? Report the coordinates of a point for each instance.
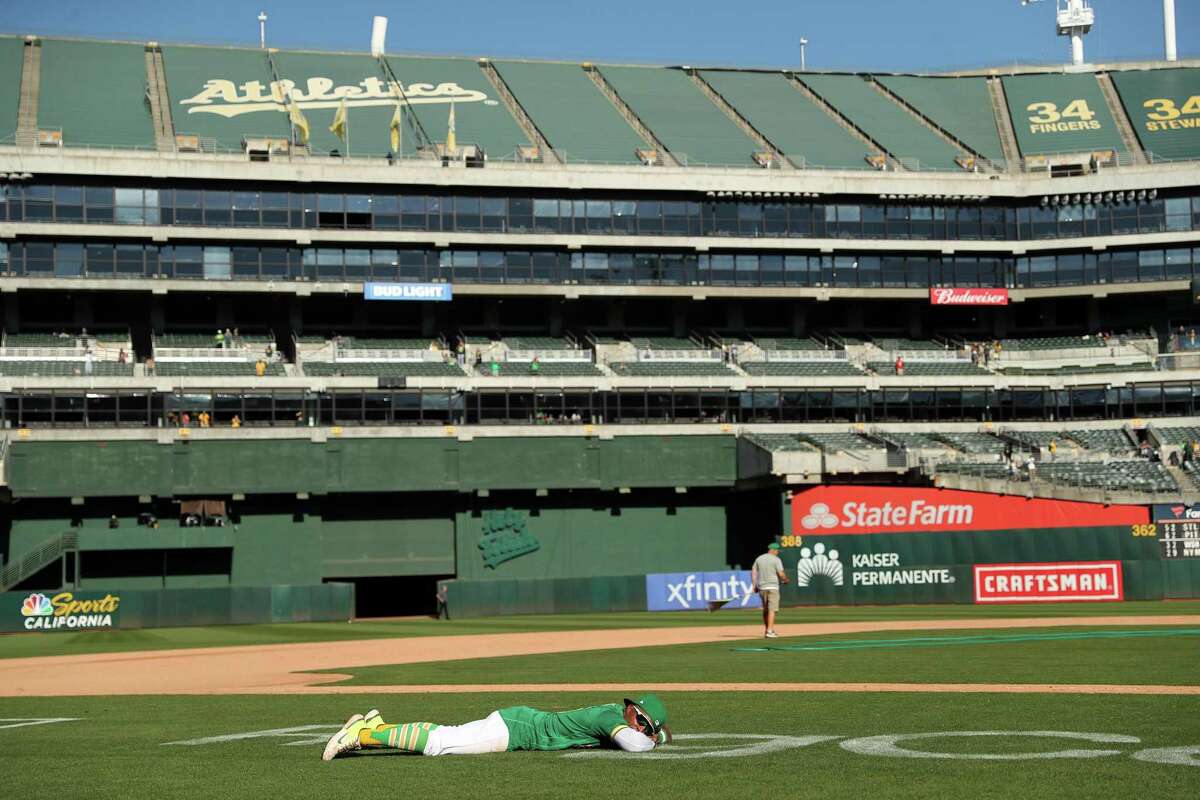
(373, 720)
(346, 739)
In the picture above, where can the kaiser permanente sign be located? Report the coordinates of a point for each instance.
(438, 292)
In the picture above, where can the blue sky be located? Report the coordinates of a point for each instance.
(868, 34)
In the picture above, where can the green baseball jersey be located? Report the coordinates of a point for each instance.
(530, 729)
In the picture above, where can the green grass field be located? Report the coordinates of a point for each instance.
(749, 743)
(24, 645)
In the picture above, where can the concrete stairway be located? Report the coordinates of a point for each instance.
(1117, 109)
(159, 100)
(1004, 124)
(27, 108)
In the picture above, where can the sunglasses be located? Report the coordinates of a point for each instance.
(643, 722)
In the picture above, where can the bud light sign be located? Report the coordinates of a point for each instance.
(683, 591)
(441, 292)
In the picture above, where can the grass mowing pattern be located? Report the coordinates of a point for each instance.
(1093, 660)
(116, 749)
(80, 643)
(943, 641)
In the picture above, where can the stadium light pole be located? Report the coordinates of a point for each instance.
(1074, 19)
(1169, 29)
(803, 44)
(262, 29)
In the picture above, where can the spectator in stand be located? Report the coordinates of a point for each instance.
(236, 422)
(1053, 448)
(733, 352)
(1191, 337)
(495, 367)
(534, 366)
(462, 353)
(113, 522)
(150, 365)
(219, 339)
(1030, 466)
(899, 365)
(88, 362)
(185, 419)
(121, 357)
(229, 338)
(205, 419)
(260, 368)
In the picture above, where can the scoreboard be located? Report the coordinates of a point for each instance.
(1177, 531)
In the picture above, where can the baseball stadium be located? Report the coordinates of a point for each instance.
(448, 386)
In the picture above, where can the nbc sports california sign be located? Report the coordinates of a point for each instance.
(66, 611)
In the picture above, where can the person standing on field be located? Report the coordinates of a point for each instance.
(765, 578)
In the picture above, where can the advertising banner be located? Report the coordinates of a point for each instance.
(60, 611)
(860, 510)
(1092, 581)
(856, 545)
(684, 591)
(439, 292)
(947, 296)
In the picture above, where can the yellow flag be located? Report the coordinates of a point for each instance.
(297, 119)
(338, 128)
(395, 128)
(451, 139)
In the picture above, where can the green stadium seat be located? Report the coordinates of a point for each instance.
(789, 120)
(12, 51)
(972, 443)
(179, 369)
(546, 369)
(1063, 126)
(476, 122)
(188, 70)
(924, 368)
(800, 368)
(960, 106)
(1138, 87)
(681, 116)
(383, 369)
(64, 369)
(571, 112)
(883, 120)
(680, 369)
(109, 107)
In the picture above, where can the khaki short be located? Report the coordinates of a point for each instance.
(770, 599)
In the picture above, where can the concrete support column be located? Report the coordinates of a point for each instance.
(799, 319)
(12, 312)
(735, 315)
(224, 308)
(85, 310)
(158, 313)
(428, 319)
(616, 315)
(555, 316)
(679, 318)
(295, 315)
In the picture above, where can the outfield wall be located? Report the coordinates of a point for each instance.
(851, 545)
(71, 611)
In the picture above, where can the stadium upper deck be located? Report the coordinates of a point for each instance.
(227, 100)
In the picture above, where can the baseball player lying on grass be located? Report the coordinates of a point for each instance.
(637, 727)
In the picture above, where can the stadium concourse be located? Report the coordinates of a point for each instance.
(519, 336)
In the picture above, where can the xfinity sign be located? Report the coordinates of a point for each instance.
(440, 292)
(683, 591)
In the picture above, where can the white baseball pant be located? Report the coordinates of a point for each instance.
(489, 735)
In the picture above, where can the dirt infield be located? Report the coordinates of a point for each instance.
(285, 669)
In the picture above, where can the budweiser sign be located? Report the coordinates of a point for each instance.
(830, 510)
(968, 297)
(1089, 581)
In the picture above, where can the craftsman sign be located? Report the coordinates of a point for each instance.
(1090, 581)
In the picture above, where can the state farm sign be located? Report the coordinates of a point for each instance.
(968, 297)
(830, 510)
(1087, 581)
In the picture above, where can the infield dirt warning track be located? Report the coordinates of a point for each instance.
(287, 668)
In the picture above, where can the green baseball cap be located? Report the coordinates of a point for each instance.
(652, 708)
(773, 545)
